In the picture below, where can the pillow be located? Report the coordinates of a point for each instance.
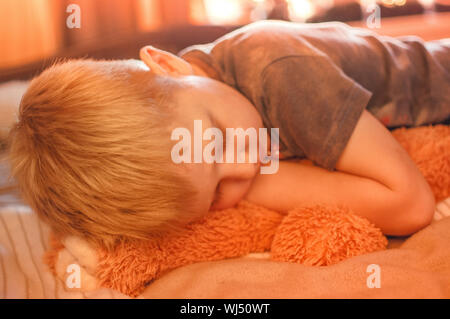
(10, 95)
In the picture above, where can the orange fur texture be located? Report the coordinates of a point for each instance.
(316, 235)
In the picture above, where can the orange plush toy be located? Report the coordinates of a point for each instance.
(315, 235)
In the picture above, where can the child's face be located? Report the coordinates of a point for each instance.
(219, 185)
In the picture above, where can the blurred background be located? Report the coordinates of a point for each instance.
(35, 32)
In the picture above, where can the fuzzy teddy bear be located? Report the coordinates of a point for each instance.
(314, 235)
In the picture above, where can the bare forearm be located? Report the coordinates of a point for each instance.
(301, 183)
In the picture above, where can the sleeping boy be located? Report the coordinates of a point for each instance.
(91, 150)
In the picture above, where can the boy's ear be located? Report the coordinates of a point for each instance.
(164, 63)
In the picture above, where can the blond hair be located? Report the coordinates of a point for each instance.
(91, 152)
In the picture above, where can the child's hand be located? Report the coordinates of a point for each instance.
(76, 265)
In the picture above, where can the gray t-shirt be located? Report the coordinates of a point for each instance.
(312, 81)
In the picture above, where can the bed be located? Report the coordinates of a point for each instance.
(24, 239)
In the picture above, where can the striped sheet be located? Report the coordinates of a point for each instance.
(23, 240)
(442, 209)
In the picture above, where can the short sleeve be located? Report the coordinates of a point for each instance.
(314, 105)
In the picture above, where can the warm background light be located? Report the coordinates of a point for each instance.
(149, 17)
(223, 11)
(392, 3)
(32, 30)
(261, 8)
(27, 31)
(300, 10)
(427, 4)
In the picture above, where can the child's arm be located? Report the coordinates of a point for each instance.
(374, 176)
